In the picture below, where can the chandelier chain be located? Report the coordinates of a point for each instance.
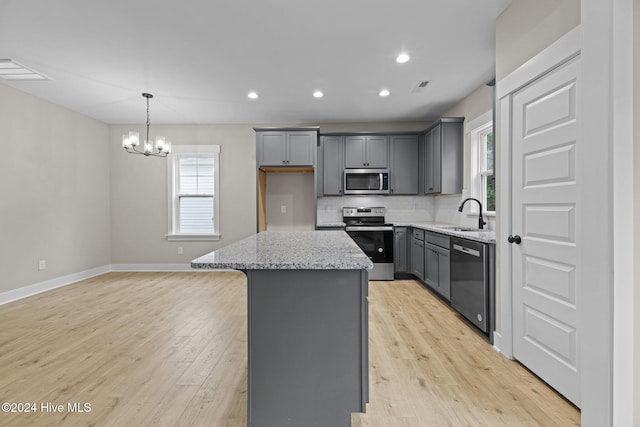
(148, 121)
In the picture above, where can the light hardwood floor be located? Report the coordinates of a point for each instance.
(169, 349)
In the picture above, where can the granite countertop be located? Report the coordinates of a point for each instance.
(484, 236)
(288, 250)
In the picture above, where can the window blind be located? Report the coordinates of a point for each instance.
(195, 195)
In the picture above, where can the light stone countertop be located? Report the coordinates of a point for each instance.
(484, 236)
(288, 250)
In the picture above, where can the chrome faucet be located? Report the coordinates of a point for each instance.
(481, 222)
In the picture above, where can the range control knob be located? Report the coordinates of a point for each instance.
(380, 250)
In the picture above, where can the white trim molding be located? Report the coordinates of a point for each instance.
(70, 279)
(179, 151)
(47, 285)
(151, 267)
(563, 50)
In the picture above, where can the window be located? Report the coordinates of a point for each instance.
(482, 161)
(193, 192)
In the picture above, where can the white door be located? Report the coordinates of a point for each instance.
(546, 214)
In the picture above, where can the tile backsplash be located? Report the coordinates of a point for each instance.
(446, 210)
(399, 208)
(404, 209)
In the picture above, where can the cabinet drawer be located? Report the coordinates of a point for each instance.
(418, 234)
(437, 239)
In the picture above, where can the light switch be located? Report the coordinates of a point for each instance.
(283, 209)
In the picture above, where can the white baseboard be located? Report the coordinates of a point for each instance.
(47, 285)
(152, 267)
(497, 341)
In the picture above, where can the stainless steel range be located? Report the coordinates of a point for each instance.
(367, 228)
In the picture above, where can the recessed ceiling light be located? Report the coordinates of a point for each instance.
(402, 58)
(318, 94)
(384, 92)
(11, 70)
(253, 95)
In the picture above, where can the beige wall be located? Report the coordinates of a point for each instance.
(526, 27)
(475, 104)
(54, 182)
(139, 193)
(294, 191)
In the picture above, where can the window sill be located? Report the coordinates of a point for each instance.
(192, 237)
(484, 214)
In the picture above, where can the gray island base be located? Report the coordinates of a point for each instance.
(307, 326)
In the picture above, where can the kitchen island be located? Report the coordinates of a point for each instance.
(307, 325)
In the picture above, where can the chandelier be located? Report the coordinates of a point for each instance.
(130, 142)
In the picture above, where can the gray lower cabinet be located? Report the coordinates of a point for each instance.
(430, 260)
(333, 164)
(437, 270)
(308, 355)
(442, 157)
(401, 250)
(286, 148)
(366, 151)
(417, 253)
(404, 164)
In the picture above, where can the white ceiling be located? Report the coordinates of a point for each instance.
(200, 58)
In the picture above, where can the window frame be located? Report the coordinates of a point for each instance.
(476, 129)
(173, 160)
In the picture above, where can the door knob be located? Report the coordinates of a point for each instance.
(514, 239)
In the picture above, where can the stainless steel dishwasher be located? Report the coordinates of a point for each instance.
(470, 281)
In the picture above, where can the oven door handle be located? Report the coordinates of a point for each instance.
(366, 228)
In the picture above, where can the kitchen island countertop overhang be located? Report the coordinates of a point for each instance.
(288, 250)
(307, 321)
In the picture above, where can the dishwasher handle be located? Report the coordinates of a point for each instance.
(466, 250)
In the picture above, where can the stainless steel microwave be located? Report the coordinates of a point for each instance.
(366, 181)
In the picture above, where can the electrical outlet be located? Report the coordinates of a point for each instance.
(42, 264)
(283, 208)
(180, 250)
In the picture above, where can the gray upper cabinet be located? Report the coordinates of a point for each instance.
(333, 164)
(286, 148)
(432, 163)
(366, 151)
(404, 164)
(442, 153)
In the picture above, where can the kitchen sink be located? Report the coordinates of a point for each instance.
(457, 228)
